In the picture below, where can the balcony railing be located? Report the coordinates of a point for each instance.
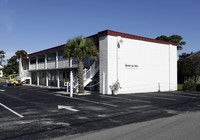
(51, 65)
(32, 67)
(74, 63)
(63, 64)
(41, 66)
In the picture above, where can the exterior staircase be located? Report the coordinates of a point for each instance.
(23, 76)
(88, 74)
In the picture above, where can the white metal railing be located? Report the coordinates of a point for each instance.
(51, 65)
(24, 75)
(27, 74)
(32, 67)
(90, 73)
(63, 64)
(41, 65)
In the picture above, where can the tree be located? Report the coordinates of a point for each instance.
(174, 39)
(2, 56)
(20, 52)
(195, 67)
(12, 66)
(80, 48)
(183, 71)
(188, 67)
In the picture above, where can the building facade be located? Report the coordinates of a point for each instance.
(1, 71)
(139, 64)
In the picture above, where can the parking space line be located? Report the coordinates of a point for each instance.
(179, 95)
(142, 106)
(164, 98)
(85, 100)
(185, 96)
(125, 99)
(11, 110)
(67, 108)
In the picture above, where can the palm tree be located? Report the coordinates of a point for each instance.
(80, 48)
(2, 56)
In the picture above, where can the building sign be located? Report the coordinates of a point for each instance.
(131, 66)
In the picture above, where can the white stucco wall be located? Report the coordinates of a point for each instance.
(103, 63)
(157, 65)
(1, 73)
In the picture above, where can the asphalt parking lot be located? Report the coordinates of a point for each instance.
(28, 112)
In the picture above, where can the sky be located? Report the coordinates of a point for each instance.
(34, 25)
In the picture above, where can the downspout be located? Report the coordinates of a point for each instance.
(169, 67)
(119, 41)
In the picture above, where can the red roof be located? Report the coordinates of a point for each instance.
(114, 33)
(47, 50)
(108, 32)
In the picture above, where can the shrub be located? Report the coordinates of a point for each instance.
(198, 87)
(180, 87)
(189, 86)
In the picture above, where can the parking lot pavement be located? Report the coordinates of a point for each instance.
(47, 114)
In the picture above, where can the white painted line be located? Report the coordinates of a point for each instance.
(2, 90)
(163, 98)
(185, 96)
(67, 107)
(125, 99)
(90, 101)
(142, 101)
(179, 95)
(11, 110)
(142, 106)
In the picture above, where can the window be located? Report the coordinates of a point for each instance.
(60, 57)
(32, 61)
(51, 58)
(49, 77)
(40, 60)
(43, 75)
(63, 75)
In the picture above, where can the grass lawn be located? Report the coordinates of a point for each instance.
(180, 87)
(3, 79)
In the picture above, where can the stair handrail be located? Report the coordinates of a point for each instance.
(91, 71)
(88, 73)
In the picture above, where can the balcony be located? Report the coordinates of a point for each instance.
(51, 65)
(41, 66)
(63, 64)
(32, 67)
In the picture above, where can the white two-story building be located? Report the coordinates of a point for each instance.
(140, 64)
(1, 71)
